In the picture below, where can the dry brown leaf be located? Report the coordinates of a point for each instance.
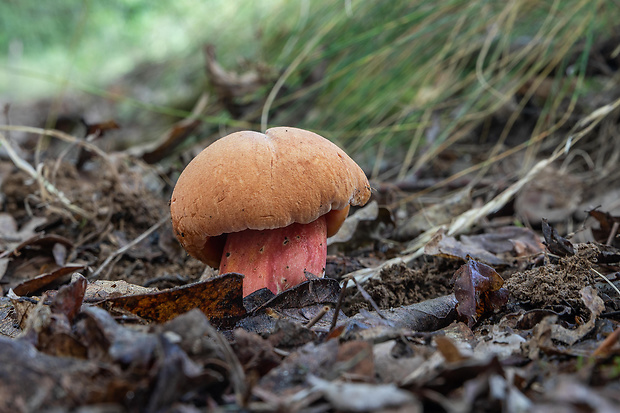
(219, 298)
(44, 280)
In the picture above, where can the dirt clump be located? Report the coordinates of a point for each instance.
(555, 283)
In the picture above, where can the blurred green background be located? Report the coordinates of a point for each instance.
(395, 82)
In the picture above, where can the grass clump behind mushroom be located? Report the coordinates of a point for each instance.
(406, 79)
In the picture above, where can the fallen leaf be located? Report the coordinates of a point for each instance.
(429, 315)
(607, 222)
(442, 245)
(554, 195)
(595, 304)
(42, 382)
(555, 243)
(44, 280)
(369, 212)
(478, 290)
(99, 129)
(68, 300)
(100, 290)
(448, 349)
(219, 298)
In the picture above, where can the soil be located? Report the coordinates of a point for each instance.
(400, 285)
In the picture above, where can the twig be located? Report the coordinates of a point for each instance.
(124, 248)
(317, 317)
(613, 233)
(606, 279)
(29, 169)
(368, 298)
(338, 305)
(606, 345)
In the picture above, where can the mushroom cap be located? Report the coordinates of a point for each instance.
(251, 180)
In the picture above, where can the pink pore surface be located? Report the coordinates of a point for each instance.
(277, 259)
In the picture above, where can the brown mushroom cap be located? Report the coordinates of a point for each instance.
(250, 180)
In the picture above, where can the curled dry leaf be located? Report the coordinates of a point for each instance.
(369, 212)
(607, 223)
(69, 298)
(596, 306)
(478, 290)
(555, 243)
(44, 280)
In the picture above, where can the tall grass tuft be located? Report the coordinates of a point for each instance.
(402, 80)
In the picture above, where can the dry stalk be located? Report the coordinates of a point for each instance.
(318, 316)
(44, 183)
(129, 245)
(463, 222)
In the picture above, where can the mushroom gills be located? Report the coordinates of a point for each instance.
(279, 258)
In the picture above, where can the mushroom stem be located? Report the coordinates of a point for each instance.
(277, 259)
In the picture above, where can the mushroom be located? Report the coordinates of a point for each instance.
(263, 205)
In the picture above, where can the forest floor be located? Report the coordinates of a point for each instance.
(519, 310)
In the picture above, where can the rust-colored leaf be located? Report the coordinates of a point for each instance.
(219, 298)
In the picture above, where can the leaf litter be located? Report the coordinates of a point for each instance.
(461, 307)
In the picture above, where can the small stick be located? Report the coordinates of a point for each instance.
(608, 343)
(124, 248)
(613, 233)
(339, 304)
(368, 298)
(607, 280)
(317, 317)
(29, 169)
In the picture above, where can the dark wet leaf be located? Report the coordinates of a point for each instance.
(478, 289)
(555, 243)
(429, 315)
(608, 255)
(219, 298)
(45, 280)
